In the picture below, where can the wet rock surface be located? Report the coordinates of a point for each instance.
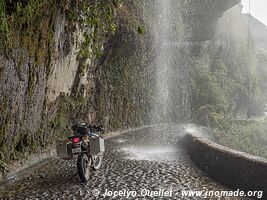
(145, 159)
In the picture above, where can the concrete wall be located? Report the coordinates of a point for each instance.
(234, 169)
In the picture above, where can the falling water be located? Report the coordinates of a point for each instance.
(171, 94)
(162, 63)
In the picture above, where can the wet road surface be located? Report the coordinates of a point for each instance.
(137, 160)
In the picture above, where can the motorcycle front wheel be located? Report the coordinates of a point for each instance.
(83, 165)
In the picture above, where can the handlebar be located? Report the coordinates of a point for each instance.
(95, 127)
(92, 127)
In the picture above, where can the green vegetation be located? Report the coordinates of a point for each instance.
(225, 92)
(28, 35)
(229, 86)
(211, 84)
(261, 58)
(3, 22)
(141, 29)
(214, 86)
(246, 136)
(98, 22)
(4, 127)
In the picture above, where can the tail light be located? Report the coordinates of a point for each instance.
(75, 140)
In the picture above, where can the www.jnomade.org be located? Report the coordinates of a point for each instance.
(214, 193)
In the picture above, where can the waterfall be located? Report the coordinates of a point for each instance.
(171, 93)
(162, 62)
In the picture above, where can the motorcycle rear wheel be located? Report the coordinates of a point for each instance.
(84, 164)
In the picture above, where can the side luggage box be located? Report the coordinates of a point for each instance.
(62, 150)
(96, 146)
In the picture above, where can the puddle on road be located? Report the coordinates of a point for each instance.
(150, 153)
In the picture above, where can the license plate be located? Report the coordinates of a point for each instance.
(76, 150)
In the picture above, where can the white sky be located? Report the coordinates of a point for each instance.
(258, 9)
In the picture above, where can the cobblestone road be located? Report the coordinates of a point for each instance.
(137, 160)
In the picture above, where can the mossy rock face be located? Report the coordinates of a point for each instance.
(122, 86)
(30, 121)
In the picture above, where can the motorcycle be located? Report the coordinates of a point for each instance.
(86, 145)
